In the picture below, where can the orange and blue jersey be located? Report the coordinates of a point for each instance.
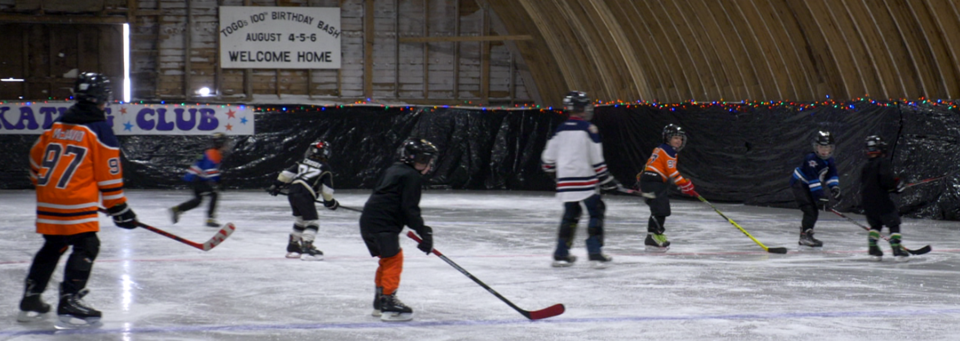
(814, 172)
(75, 168)
(207, 168)
(663, 162)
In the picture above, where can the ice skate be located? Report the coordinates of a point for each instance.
(600, 261)
(309, 252)
(212, 222)
(293, 247)
(899, 254)
(73, 313)
(376, 302)
(563, 262)
(175, 214)
(656, 242)
(32, 307)
(875, 253)
(392, 310)
(807, 240)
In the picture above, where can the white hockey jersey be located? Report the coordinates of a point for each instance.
(576, 155)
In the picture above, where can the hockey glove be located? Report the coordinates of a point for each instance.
(426, 239)
(835, 192)
(901, 185)
(123, 216)
(688, 190)
(275, 188)
(823, 203)
(331, 205)
(612, 186)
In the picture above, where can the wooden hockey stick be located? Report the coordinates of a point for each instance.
(321, 201)
(919, 251)
(217, 238)
(550, 311)
(779, 250)
(921, 182)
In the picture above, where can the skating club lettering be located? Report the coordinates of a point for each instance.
(33, 118)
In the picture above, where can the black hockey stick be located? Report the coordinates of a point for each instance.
(919, 251)
(321, 201)
(780, 250)
(217, 238)
(550, 311)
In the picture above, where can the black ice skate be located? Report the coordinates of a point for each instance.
(293, 247)
(309, 252)
(875, 253)
(212, 222)
(175, 214)
(806, 239)
(899, 254)
(392, 310)
(73, 313)
(32, 307)
(599, 260)
(656, 242)
(562, 262)
(376, 302)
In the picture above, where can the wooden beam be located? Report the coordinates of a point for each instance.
(426, 49)
(464, 39)
(218, 69)
(396, 49)
(485, 58)
(187, 51)
(132, 20)
(6, 18)
(368, 36)
(247, 73)
(456, 50)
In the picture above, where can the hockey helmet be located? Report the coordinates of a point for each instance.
(672, 130)
(875, 146)
(418, 151)
(823, 145)
(318, 151)
(92, 87)
(577, 102)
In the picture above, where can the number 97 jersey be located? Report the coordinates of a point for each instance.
(71, 165)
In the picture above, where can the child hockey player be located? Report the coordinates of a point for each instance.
(661, 168)
(807, 184)
(74, 164)
(204, 177)
(877, 182)
(308, 179)
(574, 156)
(395, 202)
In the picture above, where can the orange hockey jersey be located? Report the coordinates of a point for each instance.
(72, 165)
(663, 161)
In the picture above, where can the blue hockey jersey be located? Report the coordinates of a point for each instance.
(207, 168)
(815, 171)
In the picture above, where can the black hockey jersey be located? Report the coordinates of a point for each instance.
(395, 202)
(312, 175)
(877, 181)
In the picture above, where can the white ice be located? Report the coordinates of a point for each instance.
(714, 283)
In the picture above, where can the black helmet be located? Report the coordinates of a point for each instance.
(318, 151)
(824, 138)
(92, 87)
(672, 130)
(875, 145)
(577, 102)
(418, 151)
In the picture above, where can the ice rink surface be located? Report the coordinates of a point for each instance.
(714, 283)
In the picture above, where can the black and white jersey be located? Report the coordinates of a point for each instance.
(312, 175)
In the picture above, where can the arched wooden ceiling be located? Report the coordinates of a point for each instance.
(711, 50)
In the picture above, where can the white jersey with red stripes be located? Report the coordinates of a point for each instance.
(575, 154)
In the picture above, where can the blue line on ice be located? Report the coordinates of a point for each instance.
(380, 325)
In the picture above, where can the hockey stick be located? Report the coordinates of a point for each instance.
(321, 201)
(780, 250)
(550, 311)
(217, 238)
(921, 182)
(919, 251)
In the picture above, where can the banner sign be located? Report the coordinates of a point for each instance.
(280, 37)
(32, 118)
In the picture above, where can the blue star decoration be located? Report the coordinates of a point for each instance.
(128, 126)
(243, 120)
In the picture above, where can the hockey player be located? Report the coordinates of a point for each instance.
(818, 168)
(574, 156)
(658, 173)
(877, 182)
(308, 180)
(74, 164)
(204, 178)
(395, 202)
